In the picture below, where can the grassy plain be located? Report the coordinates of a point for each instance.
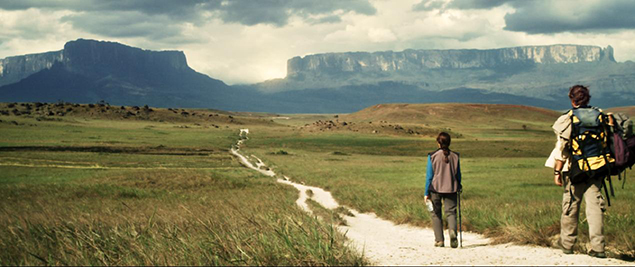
(95, 188)
(508, 193)
(161, 188)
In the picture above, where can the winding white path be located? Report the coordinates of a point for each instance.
(385, 243)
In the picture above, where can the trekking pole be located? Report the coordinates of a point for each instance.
(460, 232)
(606, 192)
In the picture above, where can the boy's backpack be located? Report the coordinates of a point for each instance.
(589, 145)
(623, 144)
(623, 125)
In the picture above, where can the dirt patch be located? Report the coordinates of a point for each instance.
(159, 150)
(371, 127)
(103, 110)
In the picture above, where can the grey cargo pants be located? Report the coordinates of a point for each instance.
(449, 201)
(595, 207)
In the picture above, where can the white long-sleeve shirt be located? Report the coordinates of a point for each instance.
(562, 129)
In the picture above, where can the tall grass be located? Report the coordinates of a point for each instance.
(192, 218)
(159, 208)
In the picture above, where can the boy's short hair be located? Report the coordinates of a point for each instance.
(579, 94)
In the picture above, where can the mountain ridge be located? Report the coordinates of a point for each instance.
(87, 71)
(418, 59)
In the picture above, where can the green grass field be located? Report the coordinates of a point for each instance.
(80, 190)
(91, 189)
(509, 195)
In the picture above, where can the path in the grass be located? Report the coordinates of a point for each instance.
(385, 243)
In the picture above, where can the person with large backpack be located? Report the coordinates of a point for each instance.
(443, 184)
(581, 159)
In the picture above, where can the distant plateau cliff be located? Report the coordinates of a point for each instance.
(87, 71)
(419, 60)
(92, 57)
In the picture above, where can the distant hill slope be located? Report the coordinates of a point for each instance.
(459, 115)
(353, 98)
(70, 111)
(630, 111)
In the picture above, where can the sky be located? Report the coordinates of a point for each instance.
(250, 41)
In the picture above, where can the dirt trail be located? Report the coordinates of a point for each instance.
(385, 243)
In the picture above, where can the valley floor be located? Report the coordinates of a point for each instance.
(93, 184)
(387, 244)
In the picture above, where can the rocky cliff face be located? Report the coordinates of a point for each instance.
(93, 57)
(419, 60)
(87, 71)
(88, 56)
(13, 69)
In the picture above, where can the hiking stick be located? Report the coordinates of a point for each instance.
(606, 192)
(458, 194)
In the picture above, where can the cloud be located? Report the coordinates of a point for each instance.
(125, 24)
(274, 12)
(28, 24)
(255, 12)
(160, 20)
(165, 20)
(181, 10)
(278, 12)
(247, 41)
(479, 4)
(379, 35)
(429, 5)
(549, 17)
(324, 19)
(571, 16)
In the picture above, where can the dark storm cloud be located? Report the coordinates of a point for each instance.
(148, 6)
(546, 17)
(159, 20)
(164, 19)
(278, 12)
(182, 10)
(255, 12)
(275, 12)
(124, 24)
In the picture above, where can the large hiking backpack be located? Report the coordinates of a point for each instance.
(589, 145)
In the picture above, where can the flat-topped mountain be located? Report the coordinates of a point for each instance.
(14, 69)
(418, 60)
(91, 57)
(540, 75)
(491, 69)
(87, 71)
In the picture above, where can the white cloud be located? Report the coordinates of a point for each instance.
(381, 35)
(31, 31)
